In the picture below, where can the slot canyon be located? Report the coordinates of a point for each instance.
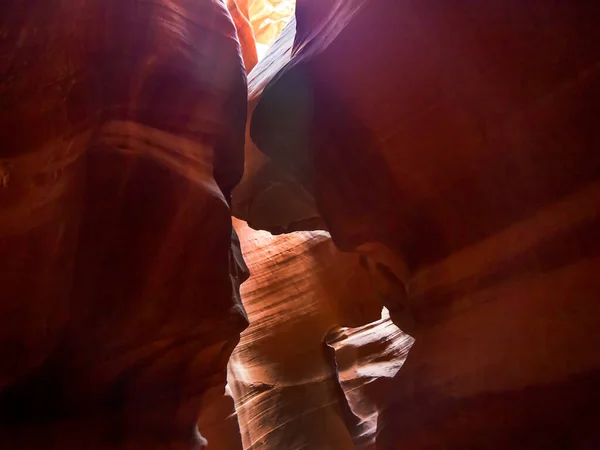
(289, 225)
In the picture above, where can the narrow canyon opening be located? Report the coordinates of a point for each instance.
(317, 360)
(259, 23)
(268, 18)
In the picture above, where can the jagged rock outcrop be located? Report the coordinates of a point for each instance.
(366, 359)
(282, 374)
(453, 144)
(122, 129)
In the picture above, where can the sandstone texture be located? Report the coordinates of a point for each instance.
(440, 159)
(121, 138)
(267, 197)
(299, 379)
(454, 146)
(266, 19)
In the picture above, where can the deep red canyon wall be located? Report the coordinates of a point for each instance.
(454, 145)
(121, 137)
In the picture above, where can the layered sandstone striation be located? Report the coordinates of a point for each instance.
(121, 130)
(267, 197)
(266, 20)
(450, 150)
(367, 358)
(453, 144)
(299, 380)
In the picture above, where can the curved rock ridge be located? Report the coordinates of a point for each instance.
(239, 13)
(122, 130)
(453, 144)
(366, 359)
(282, 374)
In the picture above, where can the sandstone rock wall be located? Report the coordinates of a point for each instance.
(450, 148)
(284, 372)
(267, 19)
(453, 145)
(121, 138)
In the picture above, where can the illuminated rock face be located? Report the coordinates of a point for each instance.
(266, 20)
(283, 372)
(122, 131)
(454, 146)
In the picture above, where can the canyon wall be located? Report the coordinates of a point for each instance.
(298, 378)
(437, 158)
(454, 146)
(121, 131)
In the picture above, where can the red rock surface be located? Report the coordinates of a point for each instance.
(239, 13)
(121, 135)
(367, 359)
(454, 145)
(282, 374)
